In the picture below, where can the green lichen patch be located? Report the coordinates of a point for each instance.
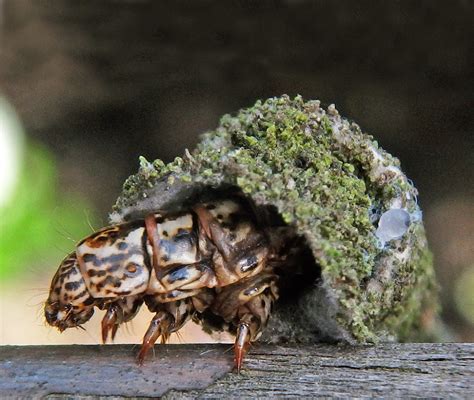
(324, 176)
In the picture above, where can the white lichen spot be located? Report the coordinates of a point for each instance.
(393, 224)
(332, 110)
(416, 216)
(291, 184)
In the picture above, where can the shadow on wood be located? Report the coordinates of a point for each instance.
(190, 371)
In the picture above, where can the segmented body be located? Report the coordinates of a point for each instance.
(215, 258)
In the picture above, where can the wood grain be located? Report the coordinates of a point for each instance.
(204, 371)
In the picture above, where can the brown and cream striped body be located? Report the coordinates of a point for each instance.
(214, 258)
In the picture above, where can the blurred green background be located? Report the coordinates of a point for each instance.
(95, 85)
(38, 223)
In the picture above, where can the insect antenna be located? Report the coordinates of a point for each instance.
(64, 232)
(88, 220)
(40, 320)
(37, 268)
(40, 292)
(39, 314)
(61, 250)
(66, 236)
(94, 339)
(179, 336)
(39, 306)
(129, 328)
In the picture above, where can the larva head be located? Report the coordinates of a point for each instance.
(69, 303)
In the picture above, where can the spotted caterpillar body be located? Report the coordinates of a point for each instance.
(215, 258)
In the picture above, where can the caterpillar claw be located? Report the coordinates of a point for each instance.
(242, 343)
(159, 326)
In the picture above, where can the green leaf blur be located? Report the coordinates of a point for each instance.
(39, 225)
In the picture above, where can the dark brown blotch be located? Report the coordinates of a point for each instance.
(89, 301)
(113, 268)
(82, 294)
(114, 258)
(91, 258)
(72, 286)
(112, 281)
(93, 272)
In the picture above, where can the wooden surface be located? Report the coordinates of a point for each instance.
(195, 371)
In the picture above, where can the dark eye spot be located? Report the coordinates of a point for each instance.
(220, 216)
(51, 317)
(165, 233)
(122, 246)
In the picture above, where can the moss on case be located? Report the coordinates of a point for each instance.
(332, 182)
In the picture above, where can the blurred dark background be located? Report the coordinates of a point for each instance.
(100, 83)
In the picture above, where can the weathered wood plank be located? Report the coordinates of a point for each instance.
(193, 371)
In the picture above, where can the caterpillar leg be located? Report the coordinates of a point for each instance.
(242, 343)
(169, 318)
(247, 305)
(159, 326)
(118, 312)
(253, 317)
(110, 322)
